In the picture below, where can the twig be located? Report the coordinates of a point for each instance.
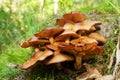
(117, 59)
(111, 59)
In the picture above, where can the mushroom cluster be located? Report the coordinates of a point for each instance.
(76, 39)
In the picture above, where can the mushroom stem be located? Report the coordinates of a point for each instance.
(67, 40)
(51, 39)
(78, 62)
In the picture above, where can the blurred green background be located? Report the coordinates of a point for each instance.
(20, 19)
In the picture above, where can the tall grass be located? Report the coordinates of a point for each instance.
(20, 20)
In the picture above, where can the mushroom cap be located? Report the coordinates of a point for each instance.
(78, 17)
(97, 36)
(50, 32)
(33, 41)
(74, 16)
(89, 48)
(62, 22)
(59, 57)
(68, 16)
(55, 45)
(38, 56)
(66, 34)
(67, 48)
(85, 25)
(82, 41)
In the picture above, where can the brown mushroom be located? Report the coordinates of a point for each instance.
(78, 56)
(66, 36)
(73, 17)
(59, 57)
(81, 47)
(38, 56)
(97, 37)
(49, 33)
(33, 42)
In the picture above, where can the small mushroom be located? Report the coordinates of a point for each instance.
(66, 36)
(33, 42)
(73, 17)
(81, 48)
(78, 56)
(38, 56)
(97, 36)
(59, 57)
(49, 33)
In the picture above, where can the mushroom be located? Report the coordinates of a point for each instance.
(33, 42)
(86, 26)
(97, 36)
(66, 36)
(38, 56)
(78, 56)
(59, 57)
(49, 33)
(80, 48)
(73, 17)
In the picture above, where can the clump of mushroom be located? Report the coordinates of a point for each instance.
(76, 39)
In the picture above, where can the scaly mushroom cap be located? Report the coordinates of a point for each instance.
(50, 32)
(38, 56)
(85, 25)
(82, 41)
(59, 57)
(97, 37)
(33, 42)
(67, 34)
